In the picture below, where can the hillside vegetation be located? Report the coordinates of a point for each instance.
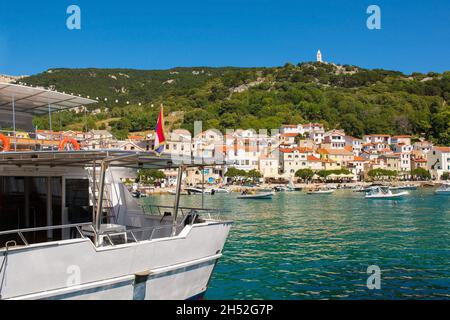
(358, 100)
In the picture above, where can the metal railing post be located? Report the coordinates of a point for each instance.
(104, 167)
(177, 198)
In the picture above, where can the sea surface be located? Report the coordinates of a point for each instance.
(299, 246)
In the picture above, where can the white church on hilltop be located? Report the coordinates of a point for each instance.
(319, 56)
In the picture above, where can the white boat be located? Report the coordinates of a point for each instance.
(220, 190)
(261, 195)
(405, 187)
(280, 188)
(444, 189)
(194, 190)
(384, 193)
(322, 191)
(70, 229)
(174, 192)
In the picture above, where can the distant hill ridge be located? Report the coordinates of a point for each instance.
(339, 96)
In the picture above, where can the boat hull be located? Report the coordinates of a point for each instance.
(445, 192)
(321, 192)
(262, 196)
(387, 197)
(161, 269)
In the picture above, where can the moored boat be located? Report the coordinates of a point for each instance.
(194, 190)
(444, 189)
(71, 229)
(405, 187)
(321, 191)
(384, 193)
(261, 195)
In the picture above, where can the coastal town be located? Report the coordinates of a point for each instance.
(295, 152)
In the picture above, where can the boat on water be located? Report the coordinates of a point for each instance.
(280, 188)
(444, 189)
(384, 193)
(194, 190)
(70, 229)
(174, 192)
(213, 191)
(405, 187)
(93, 224)
(321, 191)
(291, 186)
(138, 194)
(257, 195)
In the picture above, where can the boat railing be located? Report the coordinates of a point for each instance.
(189, 216)
(135, 235)
(211, 214)
(21, 234)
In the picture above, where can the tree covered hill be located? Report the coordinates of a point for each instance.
(358, 100)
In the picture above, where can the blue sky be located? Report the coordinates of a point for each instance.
(148, 34)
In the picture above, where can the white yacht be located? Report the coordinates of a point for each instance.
(69, 229)
(444, 189)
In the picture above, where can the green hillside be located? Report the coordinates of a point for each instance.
(358, 100)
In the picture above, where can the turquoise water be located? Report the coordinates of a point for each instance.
(299, 246)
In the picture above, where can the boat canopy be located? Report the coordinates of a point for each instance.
(36, 101)
(114, 158)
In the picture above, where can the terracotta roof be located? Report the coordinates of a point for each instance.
(349, 148)
(312, 158)
(289, 126)
(299, 149)
(334, 151)
(419, 160)
(402, 136)
(359, 159)
(133, 137)
(443, 149)
(289, 134)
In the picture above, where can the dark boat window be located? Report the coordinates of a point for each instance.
(24, 202)
(77, 201)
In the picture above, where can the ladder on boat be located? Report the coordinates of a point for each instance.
(107, 214)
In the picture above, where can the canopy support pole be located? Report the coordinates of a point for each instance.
(50, 117)
(101, 190)
(203, 187)
(14, 121)
(177, 199)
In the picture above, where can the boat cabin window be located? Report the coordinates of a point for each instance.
(31, 202)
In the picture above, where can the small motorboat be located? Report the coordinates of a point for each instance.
(174, 192)
(384, 193)
(280, 188)
(291, 186)
(320, 191)
(261, 195)
(358, 189)
(138, 194)
(406, 187)
(220, 190)
(444, 189)
(193, 190)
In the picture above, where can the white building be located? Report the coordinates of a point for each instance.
(334, 139)
(319, 56)
(438, 161)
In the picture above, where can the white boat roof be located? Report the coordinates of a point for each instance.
(115, 158)
(35, 101)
